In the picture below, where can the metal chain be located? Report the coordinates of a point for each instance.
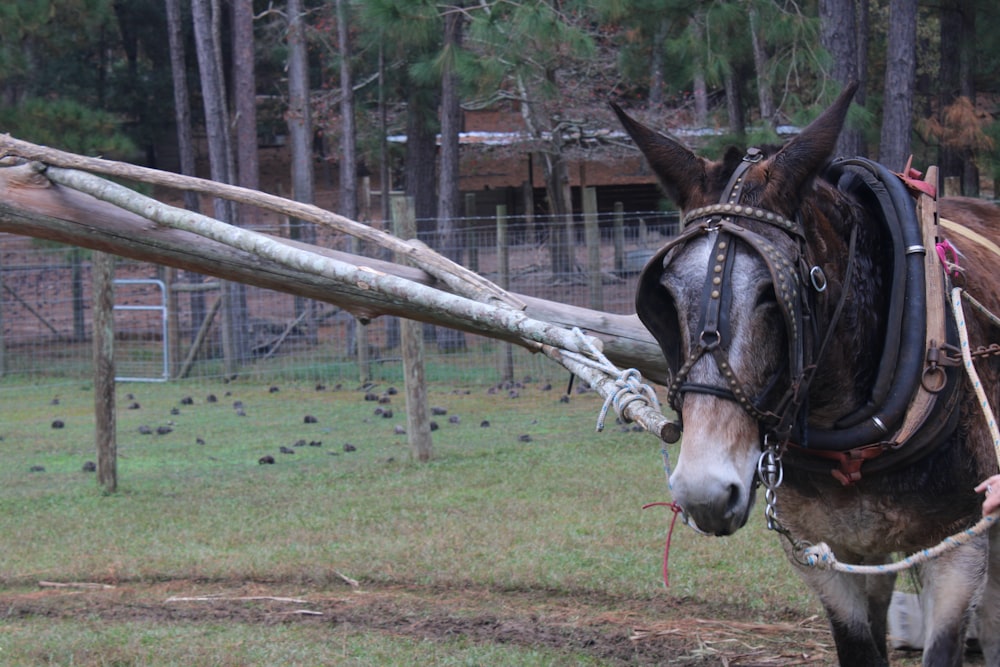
(771, 474)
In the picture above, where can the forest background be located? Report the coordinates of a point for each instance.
(199, 86)
(127, 78)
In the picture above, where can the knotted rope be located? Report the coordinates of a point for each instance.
(627, 386)
(821, 556)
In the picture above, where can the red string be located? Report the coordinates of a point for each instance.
(676, 509)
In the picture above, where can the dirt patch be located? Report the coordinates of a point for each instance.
(615, 631)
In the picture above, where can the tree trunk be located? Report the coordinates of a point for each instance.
(560, 215)
(357, 333)
(300, 136)
(234, 342)
(185, 141)
(897, 111)
(838, 36)
(449, 240)
(760, 63)
(657, 56)
(949, 157)
(348, 142)
(967, 77)
(700, 91)
(734, 103)
(245, 99)
(451, 126)
(421, 155)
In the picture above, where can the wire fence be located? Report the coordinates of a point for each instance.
(46, 324)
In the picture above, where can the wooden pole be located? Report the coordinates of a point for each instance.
(618, 235)
(471, 241)
(503, 280)
(173, 316)
(592, 237)
(3, 340)
(104, 370)
(418, 425)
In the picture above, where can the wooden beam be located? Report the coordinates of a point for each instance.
(31, 205)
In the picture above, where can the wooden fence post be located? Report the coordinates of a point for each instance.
(592, 238)
(173, 315)
(3, 340)
(471, 234)
(503, 280)
(618, 235)
(102, 267)
(418, 426)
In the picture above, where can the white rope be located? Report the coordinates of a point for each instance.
(970, 369)
(628, 384)
(821, 556)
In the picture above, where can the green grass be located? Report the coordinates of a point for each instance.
(560, 513)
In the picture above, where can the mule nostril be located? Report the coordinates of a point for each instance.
(735, 498)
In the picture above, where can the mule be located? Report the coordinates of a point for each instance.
(793, 312)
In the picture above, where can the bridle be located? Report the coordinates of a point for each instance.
(783, 418)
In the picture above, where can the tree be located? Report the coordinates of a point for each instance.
(207, 42)
(300, 134)
(839, 37)
(185, 134)
(957, 69)
(897, 107)
(534, 53)
(451, 126)
(448, 236)
(245, 102)
(348, 139)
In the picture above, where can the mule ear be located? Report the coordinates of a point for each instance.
(802, 157)
(681, 172)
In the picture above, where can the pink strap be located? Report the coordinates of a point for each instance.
(949, 258)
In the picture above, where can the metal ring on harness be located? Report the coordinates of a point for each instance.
(818, 279)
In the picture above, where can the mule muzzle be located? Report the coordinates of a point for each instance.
(717, 509)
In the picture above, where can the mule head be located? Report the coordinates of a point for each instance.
(710, 299)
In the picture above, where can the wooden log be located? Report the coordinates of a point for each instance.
(31, 205)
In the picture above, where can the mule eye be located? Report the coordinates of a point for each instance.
(767, 297)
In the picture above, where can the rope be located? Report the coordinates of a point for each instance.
(970, 369)
(822, 556)
(628, 384)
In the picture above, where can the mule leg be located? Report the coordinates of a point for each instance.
(879, 588)
(856, 607)
(988, 612)
(949, 586)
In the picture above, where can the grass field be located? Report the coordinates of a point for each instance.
(522, 542)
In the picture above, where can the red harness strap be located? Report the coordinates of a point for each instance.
(849, 462)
